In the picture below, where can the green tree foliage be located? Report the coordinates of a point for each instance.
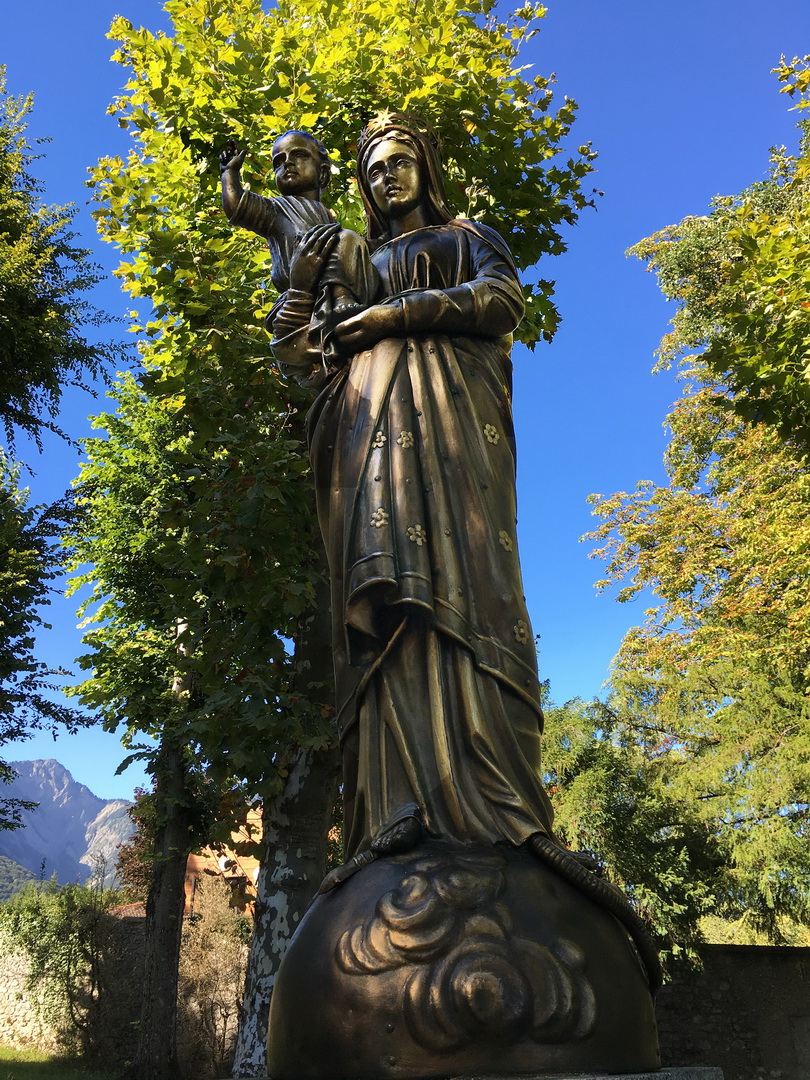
(614, 798)
(714, 686)
(12, 877)
(719, 673)
(43, 277)
(720, 670)
(62, 931)
(198, 574)
(133, 862)
(28, 564)
(741, 280)
(235, 70)
(743, 931)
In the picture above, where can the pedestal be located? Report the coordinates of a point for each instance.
(687, 1073)
(468, 963)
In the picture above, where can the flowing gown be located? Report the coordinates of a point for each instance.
(413, 451)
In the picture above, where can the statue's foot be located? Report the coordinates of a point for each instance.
(343, 873)
(401, 834)
(587, 861)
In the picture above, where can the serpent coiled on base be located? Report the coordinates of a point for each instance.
(607, 896)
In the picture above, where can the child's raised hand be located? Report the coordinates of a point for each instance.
(231, 157)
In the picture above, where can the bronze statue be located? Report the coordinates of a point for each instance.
(300, 231)
(470, 942)
(413, 450)
(301, 166)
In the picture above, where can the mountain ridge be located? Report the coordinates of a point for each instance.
(71, 833)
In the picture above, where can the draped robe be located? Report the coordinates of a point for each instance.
(413, 451)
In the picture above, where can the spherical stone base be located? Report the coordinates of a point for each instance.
(459, 962)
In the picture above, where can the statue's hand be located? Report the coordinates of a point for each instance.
(310, 255)
(370, 326)
(231, 157)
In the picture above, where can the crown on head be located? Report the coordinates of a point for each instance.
(387, 120)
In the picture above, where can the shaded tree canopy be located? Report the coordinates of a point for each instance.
(28, 565)
(714, 686)
(614, 798)
(740, 278)
(44, 277)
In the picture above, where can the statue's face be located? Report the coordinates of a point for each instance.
(394, 178)
(297, 165)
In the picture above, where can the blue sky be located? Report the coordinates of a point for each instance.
(677, 99)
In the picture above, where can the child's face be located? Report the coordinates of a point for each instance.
(297, 166)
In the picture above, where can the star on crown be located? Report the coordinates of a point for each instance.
(383, 118)
(386, 118)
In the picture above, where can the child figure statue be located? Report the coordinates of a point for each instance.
(306, 243)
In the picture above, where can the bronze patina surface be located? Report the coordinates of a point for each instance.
(412, 445)
(460, 939)
(458, 961)
(301, 166)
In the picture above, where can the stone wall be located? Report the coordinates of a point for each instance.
(747, 1010)
(113, 1034)
(209, 999)
(20, 1023)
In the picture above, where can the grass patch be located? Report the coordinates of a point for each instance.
(36, 1065)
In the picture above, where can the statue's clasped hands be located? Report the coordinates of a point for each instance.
(365, 329)
(359, 331)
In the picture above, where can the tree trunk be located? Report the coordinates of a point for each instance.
(295, 829)
(156, 1056)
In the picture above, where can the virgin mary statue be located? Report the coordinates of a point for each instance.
(453, 952)
(413, 451)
